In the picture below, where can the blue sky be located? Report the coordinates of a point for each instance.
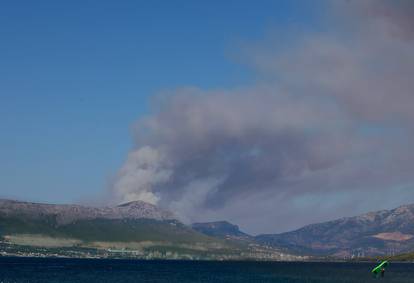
(75, 76)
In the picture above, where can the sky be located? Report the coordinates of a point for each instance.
(269, 114)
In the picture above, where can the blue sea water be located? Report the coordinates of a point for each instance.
(36, 270)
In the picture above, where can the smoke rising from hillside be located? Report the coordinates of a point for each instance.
(326, 133)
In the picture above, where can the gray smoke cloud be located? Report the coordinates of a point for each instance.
(398, 15)
(326, 133)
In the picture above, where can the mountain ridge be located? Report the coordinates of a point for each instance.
(372, 233)
(67, 213)
(375, 233)
(134, 229)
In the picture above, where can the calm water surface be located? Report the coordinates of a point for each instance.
(31, 270)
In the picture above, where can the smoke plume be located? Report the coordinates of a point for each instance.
(326, 132)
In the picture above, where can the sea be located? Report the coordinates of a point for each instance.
(53, 270)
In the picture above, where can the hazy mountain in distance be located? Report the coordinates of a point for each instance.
(374, 233)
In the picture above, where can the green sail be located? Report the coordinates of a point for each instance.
(378, 268)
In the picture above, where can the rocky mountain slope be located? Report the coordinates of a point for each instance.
(375, 233)
(139, 225)
(65, 214)
(135, 229)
